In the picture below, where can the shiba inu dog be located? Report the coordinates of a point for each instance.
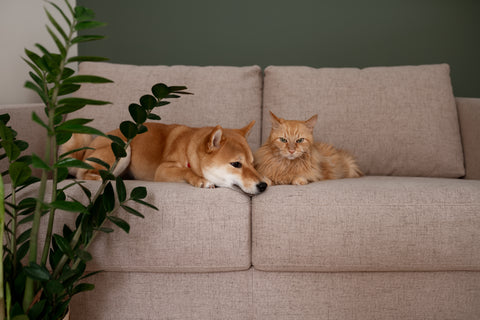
(205, 157)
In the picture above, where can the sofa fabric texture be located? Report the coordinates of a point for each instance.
(399, 243)
(369, 224)
(230, 96)
(393, 119)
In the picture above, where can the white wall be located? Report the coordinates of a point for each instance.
(22, 24)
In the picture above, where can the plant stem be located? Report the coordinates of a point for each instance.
(51, 116)
(2, 226)
(13, 244)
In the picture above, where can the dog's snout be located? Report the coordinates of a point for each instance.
(262, 186)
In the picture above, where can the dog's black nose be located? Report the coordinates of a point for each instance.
(262, 186)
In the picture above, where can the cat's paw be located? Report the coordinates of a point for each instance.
(300, 181)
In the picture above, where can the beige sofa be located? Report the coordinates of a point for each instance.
(403, 242)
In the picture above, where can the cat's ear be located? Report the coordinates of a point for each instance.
(246, 130)
(215, 140)
(276, 121)
(310, 123)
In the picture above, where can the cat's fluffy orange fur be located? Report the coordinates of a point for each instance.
(291, 156)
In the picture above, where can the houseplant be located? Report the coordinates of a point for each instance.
(38, 277)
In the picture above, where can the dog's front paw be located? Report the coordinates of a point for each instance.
(299, 181)
(200, 182)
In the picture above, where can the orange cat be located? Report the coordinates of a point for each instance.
(290, 156)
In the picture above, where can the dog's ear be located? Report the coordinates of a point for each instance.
(276, 121)
(246, 130)
(215, 139)
(310, 123)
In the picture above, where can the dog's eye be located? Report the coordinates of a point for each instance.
(236, 164)
(300, 140)
(283, 140)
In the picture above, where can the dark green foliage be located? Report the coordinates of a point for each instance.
(42, 288)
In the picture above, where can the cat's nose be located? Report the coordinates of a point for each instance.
(262, 186)
(291, 151)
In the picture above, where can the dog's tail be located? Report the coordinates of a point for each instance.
(76, 142)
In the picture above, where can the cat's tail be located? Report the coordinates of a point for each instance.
(352, 170)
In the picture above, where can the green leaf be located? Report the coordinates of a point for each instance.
(105, 230)
(84, 255)
(106, 175)
(87, 79)
(79, 121)
(118, 151)
(178, 89)
(75, 128)
(36, 60)
(162, 103)
(72, 163)
(138, 193)
(32, 86)
(5, 117)
(82, 287)
(37, 272)
(128, 129)
(86, 38)
(82, 101)
(39, 163)
(121, 189)
(109, 198)
(68, 89)
(132, 211)
(117, 140)
(153, 116)
(69, 23)
(142, 129)
(87, 58)
(11, 149)
(81, 13)
(54, 287)
(100, 162)
(148, 101)
(24, 236)
(56, 25)
(37, 309)
(67, 72)
(122, 224)
(145, 204)
(57, 41)
(19, 173)
(71, 206)
(37, 119)
(138, 113)
(63, 245)
(160, 90)
(88, 25)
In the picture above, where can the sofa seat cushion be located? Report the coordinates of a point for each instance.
(368, 224)
(399, 121)
(229, 96)
(194, 230)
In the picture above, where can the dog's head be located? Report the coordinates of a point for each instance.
(228, 160)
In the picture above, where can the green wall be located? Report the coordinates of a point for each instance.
(317, 33)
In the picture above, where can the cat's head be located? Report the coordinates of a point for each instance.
(292, 138)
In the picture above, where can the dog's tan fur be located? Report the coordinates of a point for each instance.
(204, 157)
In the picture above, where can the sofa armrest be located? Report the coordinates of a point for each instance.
(29, 131)
(469, 117)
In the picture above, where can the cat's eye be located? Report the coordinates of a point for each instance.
(236, 164)
(300, 140)
(283, 140)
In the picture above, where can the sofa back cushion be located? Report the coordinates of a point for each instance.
(229, 96)
(395, 120)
